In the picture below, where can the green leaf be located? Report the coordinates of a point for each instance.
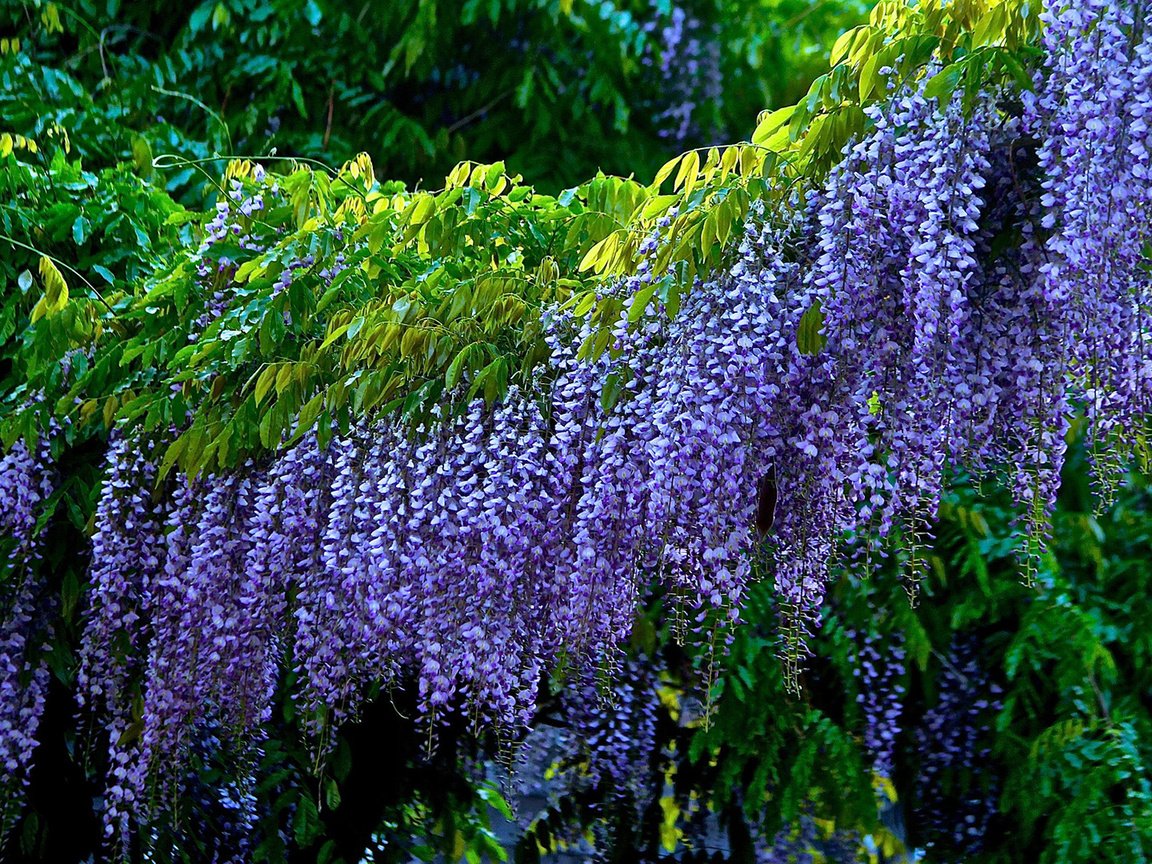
(456, 368)
(809, 337)
(943, 83)
(869, 75)
(609, 396)
(658, 205)
(640, 302)
(298, 99)
(80, 230)
(265, 383)
(584, 304)
(142, 155)
(309, 413)
(331, 794)
(306, 825)
(337, 333)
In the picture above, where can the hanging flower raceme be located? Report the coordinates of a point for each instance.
(952, 738)
(893, 274)
(1090, 113)
(25, 628)
(289, 513)
(127, 558)
(25, 482)
(715, 389)
(879, 668)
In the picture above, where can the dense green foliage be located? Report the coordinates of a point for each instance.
(556, 89)
(114, 119)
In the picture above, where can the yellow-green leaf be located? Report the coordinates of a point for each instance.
(658, 205)
(665, 171)
(452, 375)
(689, 168)
(422, 209)
(309, 413)
(55, 290)
(771, 123)
(598, 255)
(334, 335)
(868, 75)
(640, 302)
(842, 47)
(264, 383)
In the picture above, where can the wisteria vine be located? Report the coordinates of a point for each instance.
(940, 301)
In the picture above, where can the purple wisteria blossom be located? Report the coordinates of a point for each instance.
(26, 480)
(952, 739)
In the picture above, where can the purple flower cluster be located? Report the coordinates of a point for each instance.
(897, 235)
(431, 560)
(236, 223)
(183, 578)
(197, 662)
(613, 734)
(688, 58)
(952, 738)
(1091, 112)
(127, 554)
(941, 350)
(234, 215)
(473, 552)
(880, 674)
(715, 394)
(24, 633)
(25, 481)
